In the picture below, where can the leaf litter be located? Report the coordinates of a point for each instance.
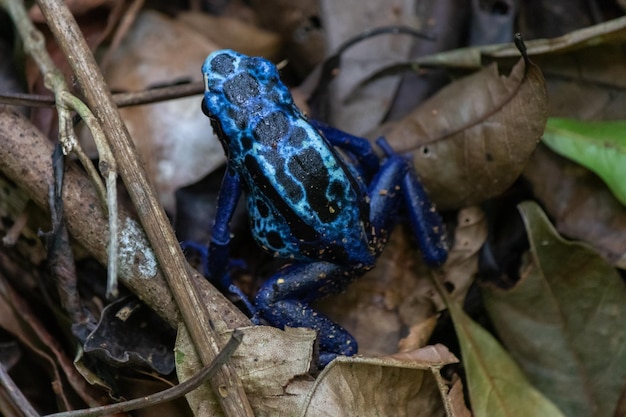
(564, 321)
(499, 130)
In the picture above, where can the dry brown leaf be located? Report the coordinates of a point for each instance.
(583, 69)
(469, 237)
(458, 271)
(298, 23)
(582, 206)
(230, 33)
(610, 32)
(403, 384)
(472, 139)
(456, 399)
(273, 366)
(419, 334)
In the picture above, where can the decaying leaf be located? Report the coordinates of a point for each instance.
(472, 139)
(583, 68)
(129, 333)
(399, 385)
(564, 321)
(274, 364)
(457, 400)
(581, 205)
(458, 273)
(469, 237)
(231, 33)
(613, 31)
(599, 146)
(496, 385)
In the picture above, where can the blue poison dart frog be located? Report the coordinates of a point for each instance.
(329, 214)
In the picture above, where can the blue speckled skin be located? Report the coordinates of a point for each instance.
(305, 202)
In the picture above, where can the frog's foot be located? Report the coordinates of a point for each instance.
(225, 283)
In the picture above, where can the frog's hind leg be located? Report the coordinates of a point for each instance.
(283, 302)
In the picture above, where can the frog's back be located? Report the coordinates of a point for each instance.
(304, 203)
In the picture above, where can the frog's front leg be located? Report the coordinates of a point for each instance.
(395, 185)
(215, 259)
(283, 301)
(357, 146)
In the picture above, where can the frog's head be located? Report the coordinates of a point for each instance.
(235, 80)
(238, 92)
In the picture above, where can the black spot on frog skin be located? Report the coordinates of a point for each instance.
(274, 239)
(336, 190)
(273, 97)
(223, 64)
(241, 88)
(262, 208)
(308, 168)
(271, 129)
(246, 143)
(292, 188)
(240, 118)
(297, 137)
(297, 226)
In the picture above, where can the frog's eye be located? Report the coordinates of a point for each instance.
(205, 108)
(223, 64)
(241, 88)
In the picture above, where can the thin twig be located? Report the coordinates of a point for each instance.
(166, 395)
(15, 394)
(135, 98)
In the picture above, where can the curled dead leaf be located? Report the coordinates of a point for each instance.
(462, 264)
(472, 139)
(404, 384)
(273, 366)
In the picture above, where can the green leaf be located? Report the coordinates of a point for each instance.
(563, 322)
(497, 387)
(599, 146)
